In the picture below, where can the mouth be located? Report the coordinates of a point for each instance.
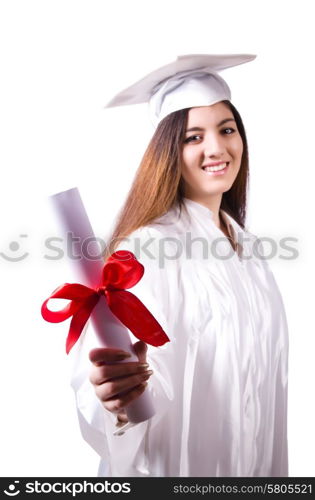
(216, 169)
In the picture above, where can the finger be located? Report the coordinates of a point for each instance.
(140, 349)
(116, 405)
(104, 373)
(122, 418)
(102, 355)
(120, 385)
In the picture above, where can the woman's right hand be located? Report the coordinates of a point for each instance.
(118, 384)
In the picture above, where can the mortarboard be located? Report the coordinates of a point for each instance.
(190, 81)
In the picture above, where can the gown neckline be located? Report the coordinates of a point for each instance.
(204, 211)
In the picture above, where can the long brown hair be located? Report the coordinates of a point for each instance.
(158, 185)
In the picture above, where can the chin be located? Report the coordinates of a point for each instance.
(216, 192)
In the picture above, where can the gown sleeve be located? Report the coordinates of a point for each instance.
(279, 461)
(276, 396)
(96, 423)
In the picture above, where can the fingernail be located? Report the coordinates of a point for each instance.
(144, 365)
(99, 363)
(147, 374)
(123, 355)
(143, 384)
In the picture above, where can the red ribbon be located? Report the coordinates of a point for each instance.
(122, 270)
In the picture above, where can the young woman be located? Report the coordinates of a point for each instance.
(220, 385)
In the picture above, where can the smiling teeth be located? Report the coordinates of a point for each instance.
(214, 169)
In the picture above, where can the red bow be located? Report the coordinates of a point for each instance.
(122, 270)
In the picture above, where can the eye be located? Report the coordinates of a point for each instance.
(228, 131)
(192, 138)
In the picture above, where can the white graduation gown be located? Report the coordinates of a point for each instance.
(220, 385)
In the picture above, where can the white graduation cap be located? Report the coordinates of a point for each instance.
(190, 81)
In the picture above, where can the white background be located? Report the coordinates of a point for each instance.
(61, 61)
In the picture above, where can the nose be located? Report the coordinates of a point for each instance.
(214, 146)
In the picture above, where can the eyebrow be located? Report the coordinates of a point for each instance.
(199, 129)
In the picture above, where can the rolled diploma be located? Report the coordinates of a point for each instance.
(109, 330)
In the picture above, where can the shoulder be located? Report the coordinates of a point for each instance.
(142, 235)
(154, 233)
(145, 243)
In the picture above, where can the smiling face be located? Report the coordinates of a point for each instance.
(212, 153)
